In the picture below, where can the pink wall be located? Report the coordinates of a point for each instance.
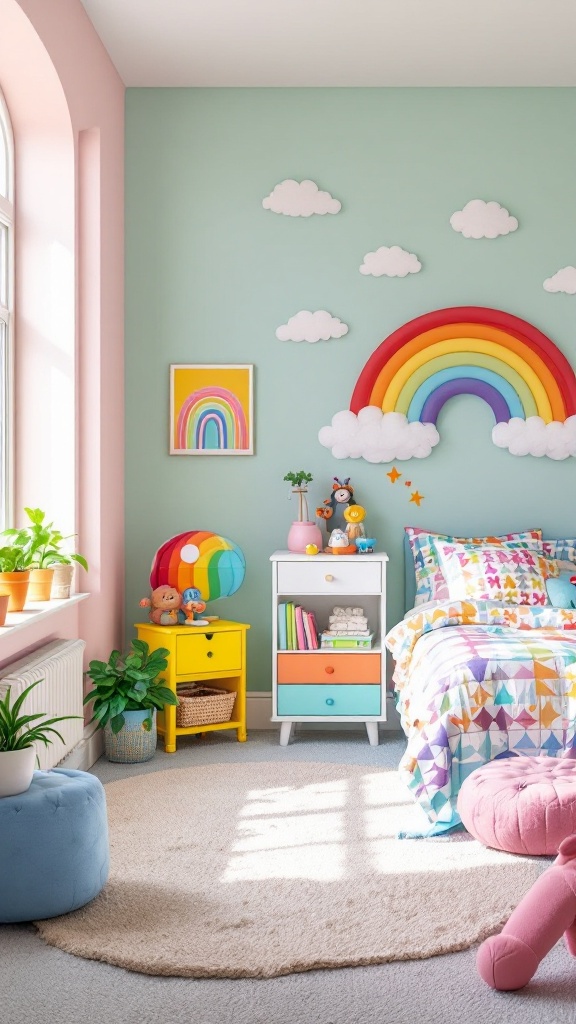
(67, 105)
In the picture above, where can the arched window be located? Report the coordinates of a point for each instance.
(6, 309)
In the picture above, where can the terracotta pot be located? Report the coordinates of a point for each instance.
(16, 770)
(3, 608)
(62, 581)
(40, 584)
(15, 584)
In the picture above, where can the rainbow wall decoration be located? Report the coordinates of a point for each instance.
(197, 558)
(468, 350)
(211, 410)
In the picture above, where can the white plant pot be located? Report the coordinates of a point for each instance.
(16, 770)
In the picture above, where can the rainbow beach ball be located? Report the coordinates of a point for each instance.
(213, 564)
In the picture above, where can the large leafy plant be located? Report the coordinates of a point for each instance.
(128, 682)
(18, 731)
(36, 546)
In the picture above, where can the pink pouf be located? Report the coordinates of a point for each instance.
(521, 804)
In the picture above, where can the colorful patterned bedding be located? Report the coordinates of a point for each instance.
(475, 679)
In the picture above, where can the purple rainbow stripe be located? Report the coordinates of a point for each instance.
(465, 386)
(227, 399)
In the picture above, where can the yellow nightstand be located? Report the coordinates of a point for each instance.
(201, 654)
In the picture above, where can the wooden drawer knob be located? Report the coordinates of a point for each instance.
(329, 577)
(329, 669)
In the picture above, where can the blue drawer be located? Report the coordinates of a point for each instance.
(329, 700)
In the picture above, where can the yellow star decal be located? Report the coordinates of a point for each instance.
(394, 475)
(416, 497)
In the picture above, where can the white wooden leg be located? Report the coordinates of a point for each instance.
(285, 733)
(372, 730)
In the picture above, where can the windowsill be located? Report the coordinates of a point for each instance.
(35, 613)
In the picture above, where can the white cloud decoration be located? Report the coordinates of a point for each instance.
(378, 436)
(300, 199)
(533, 436)
(390, 261)
(479, 219)
(563, 280)
(312, 327)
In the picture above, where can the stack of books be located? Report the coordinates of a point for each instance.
(297, 629)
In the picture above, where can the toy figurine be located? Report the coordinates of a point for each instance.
(193, 605)
(354, 516)
(338, 544)
(165, 605)
(548, 910)
(334, 506)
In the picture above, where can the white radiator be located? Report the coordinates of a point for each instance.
(59, 665)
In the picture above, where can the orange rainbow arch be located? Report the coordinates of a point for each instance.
(473, 350)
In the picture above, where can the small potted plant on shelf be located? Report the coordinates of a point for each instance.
(303, 531)
(15, 565)
(126, 695)
(18, 733)
(42, 545)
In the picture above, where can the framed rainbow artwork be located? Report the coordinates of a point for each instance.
(211, 409)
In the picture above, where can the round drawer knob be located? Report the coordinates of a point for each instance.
(328, 577)
(329, 700)
(209, 654)
(329, 669)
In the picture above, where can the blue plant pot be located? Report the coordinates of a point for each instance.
(136, 740)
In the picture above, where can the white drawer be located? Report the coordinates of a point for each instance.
(339, 576)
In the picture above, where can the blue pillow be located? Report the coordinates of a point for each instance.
(561, 592)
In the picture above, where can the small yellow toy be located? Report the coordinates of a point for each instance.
(354, 516)
(311, 549)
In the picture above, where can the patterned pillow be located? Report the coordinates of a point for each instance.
(430, 582)
(496, 573)
(563, 549)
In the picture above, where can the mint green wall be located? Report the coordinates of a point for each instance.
(210, 275)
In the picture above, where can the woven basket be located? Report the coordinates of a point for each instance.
(203, 705)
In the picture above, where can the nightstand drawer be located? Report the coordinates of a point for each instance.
(329, 700)
(328, 668)
(208, 652)
(334, 577)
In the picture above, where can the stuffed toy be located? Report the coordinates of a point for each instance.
(333, 508)
(165, 606)
(192, 606)
(548, 910)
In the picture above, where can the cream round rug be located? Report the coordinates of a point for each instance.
(259, 870)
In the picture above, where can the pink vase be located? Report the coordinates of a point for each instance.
(301, 534)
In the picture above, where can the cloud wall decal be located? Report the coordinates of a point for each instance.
(300, 199)
(390, 261)
(535, 437)
(563, 280)
(377, 436)
(312, 327)
(479, 219)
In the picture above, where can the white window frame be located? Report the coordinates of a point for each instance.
(7, 219)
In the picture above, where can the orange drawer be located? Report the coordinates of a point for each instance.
(328, 668)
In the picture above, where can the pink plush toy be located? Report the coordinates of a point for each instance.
(548, 910)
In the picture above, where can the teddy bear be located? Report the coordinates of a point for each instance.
(165, 604)
(548, 910)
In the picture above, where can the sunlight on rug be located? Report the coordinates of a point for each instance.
(259, 870)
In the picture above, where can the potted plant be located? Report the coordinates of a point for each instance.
(42, 545)
(18, 733)
(15, 563)
(303, 531)
(125, 697)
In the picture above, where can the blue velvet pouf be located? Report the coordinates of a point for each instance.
(54, 851)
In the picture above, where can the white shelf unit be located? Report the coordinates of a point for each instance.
(343, 685)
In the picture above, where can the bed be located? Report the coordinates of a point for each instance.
(477, 678)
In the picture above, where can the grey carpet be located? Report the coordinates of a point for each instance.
(42, 985)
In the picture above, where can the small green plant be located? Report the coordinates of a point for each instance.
(299, 481)
(37, 546)
(128, 682)
(18, 731)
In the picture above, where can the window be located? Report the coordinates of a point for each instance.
(6, 308)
